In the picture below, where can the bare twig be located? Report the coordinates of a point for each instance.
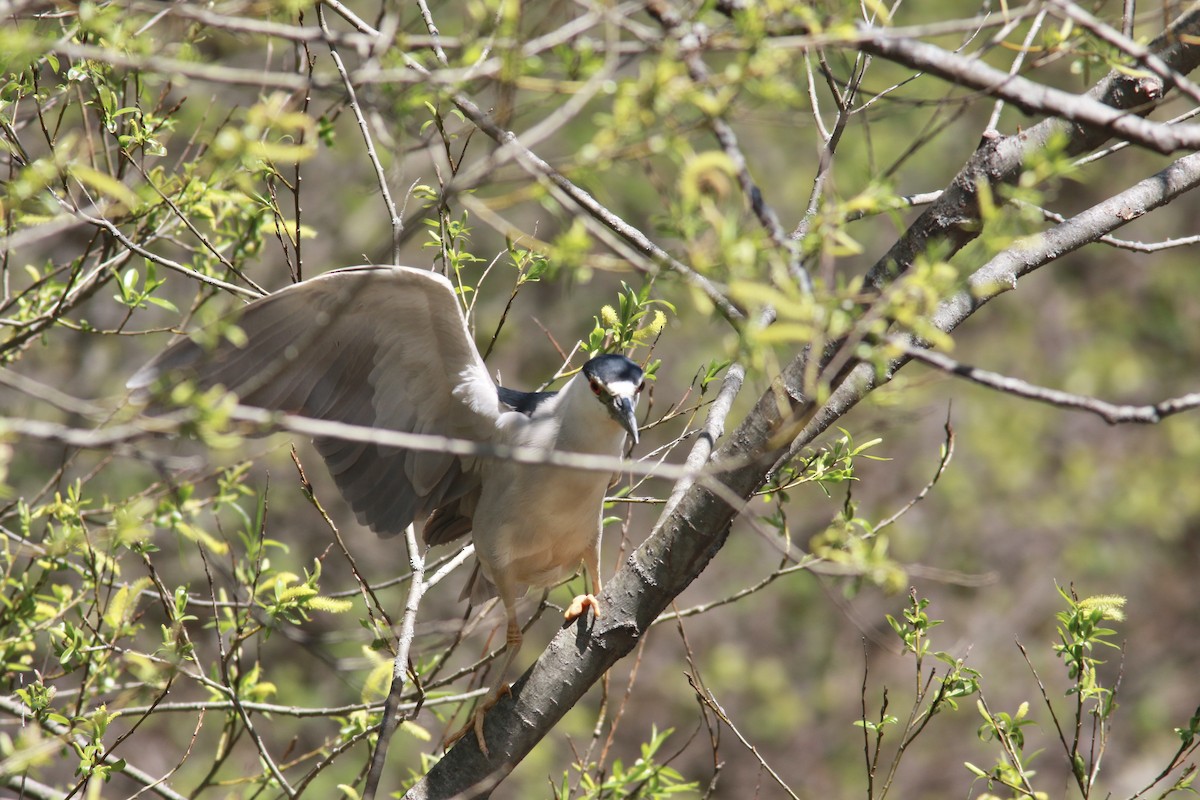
(231, 691)
(830, 139)
(714, 428)
(380, 176)
(943, 462)
(387, 725)
(512, 148)
(151, 427)
(707, 698)
(1035, 98)
(691, 41)
(25, 786)
(132, 246)
(1030, 35)
(1109, 412)
(49, 394)
(364, 587)
(1126, 244)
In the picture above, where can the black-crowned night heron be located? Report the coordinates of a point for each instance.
(388, 347)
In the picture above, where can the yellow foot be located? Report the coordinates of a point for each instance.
(579, 607)
(475, 721)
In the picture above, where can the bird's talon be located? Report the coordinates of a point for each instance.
(580, 605)
(475, 722)
(483, 748)
(453, 738)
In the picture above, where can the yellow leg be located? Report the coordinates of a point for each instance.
(512, 644)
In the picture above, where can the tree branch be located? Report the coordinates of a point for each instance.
(685, 539)
(387, 724)
(691, 40)
(1000, 159)
(1001, 274)
(511, 147)
(147, 781)
(683, 542)
(1109, 412)
(1096, 117)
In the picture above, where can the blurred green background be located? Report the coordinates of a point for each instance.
(1034, 496)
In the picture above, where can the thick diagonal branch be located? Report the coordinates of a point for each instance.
(683, 543)
(696, 528)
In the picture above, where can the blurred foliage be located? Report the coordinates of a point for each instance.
(185, 618)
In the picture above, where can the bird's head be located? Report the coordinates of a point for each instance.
(616, 381)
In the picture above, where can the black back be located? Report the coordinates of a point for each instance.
(524, 402)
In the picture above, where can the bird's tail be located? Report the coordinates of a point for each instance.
(478, 589)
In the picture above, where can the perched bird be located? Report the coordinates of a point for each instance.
(388, 347)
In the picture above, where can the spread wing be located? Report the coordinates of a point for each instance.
(385, 347)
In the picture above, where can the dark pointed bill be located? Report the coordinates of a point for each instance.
(623, 412)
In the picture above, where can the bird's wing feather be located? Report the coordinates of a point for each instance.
(385, 347)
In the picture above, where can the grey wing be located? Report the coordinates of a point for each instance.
(385, 347)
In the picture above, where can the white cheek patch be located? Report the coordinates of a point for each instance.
(623, 388)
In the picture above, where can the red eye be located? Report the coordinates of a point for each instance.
(595, 387)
